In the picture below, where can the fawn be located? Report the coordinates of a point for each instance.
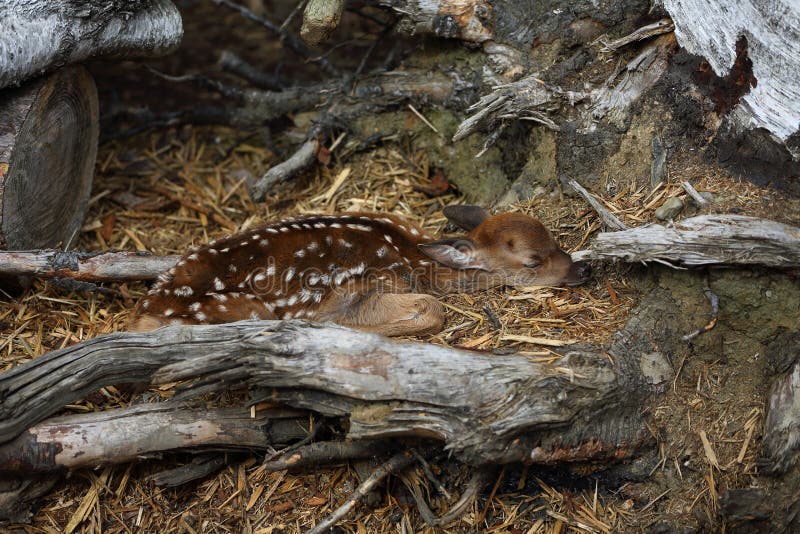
(370, 271)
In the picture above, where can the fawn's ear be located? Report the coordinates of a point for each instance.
(465, 217)
(455, 253)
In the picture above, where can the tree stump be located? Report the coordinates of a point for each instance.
(48, 146)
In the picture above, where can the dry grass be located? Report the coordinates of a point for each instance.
(164, 192)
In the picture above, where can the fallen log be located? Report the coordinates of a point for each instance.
(48, 145)
(42, 35)
(483, 408)
(702, 240)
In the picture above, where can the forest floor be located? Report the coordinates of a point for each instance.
(164, 191)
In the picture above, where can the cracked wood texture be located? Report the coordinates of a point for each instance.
(484, 408)
(48, 145)
(128, 434)
(702, 240)
(77, 30)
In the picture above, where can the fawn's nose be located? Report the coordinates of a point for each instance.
(579, 272)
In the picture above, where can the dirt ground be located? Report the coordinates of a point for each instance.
(166, 190)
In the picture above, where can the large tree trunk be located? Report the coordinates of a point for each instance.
(48, 146)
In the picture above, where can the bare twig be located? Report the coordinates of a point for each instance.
(475, 484)
(86, 266)
(292, 42)
(697, 197)
(713, 299)
(281, 172)
(230, 62)
(327, 452)
(640, 34)
(396, 463)
(608, 218)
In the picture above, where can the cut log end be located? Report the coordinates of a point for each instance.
(48, 146)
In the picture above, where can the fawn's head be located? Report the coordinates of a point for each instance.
(509, 248)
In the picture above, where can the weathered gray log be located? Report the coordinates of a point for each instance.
(129, 434)
(483, 408)
(41, 35)
(702, 240)
(48, 146)
(86, 266)
(320, 18)
(712, 28)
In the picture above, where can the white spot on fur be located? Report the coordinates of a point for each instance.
(244, 243)
(381, 252)
(254, 315)
(329, 240)
(388, 238)
(225, 250)
(299, 253)
(222, 308)
(146, 304)
(181, 263)
(168, 312)
(259, 277)
(312, 246)
(291, 301)
(345, 244)
(270, 270)
(340, 277)
(284, 229)
(362, 227)
(287, 316)
(184, 291)
(414, 231)
(318, 296)
(296, 226)
(192, 257)
(263, 243)
(319, 225)
(256, 237)
(336, 225)
(195, 306)
(304, 295)
(289, 274)
(272, 230)
(220, 297)
(218, 285)
(200, 316)
(280, 303)
(232, 268)
(213, 251)
(386, 220)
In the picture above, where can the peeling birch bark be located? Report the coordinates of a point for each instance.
(41, 35)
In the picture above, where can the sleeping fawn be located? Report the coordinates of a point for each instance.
(374, 272)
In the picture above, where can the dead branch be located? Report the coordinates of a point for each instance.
(609, 219)
(293, 43)
(86, 266)
(645, 32)
(697, 197)
(285, 170)
(320, 18)
(128, 434)
(396, 463)
(702, 240)
(230, 62)
(474, 486)
(328, 452)
(494, 409)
